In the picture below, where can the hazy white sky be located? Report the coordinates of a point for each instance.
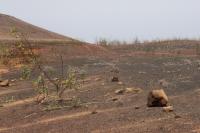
(114, 19)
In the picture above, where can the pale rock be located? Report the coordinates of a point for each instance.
(4, 83)
(135, 90)
(119, 91)
(168, 109)
(157, 98)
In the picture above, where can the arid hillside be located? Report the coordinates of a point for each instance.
(9, 23)
(56, 86)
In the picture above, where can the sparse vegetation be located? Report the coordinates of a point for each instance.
(65, 80)
(7, 99)
(25, 72)
(51, 83)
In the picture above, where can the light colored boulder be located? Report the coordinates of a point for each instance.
(157, 98)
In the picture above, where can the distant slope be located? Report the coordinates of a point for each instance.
(7, 23)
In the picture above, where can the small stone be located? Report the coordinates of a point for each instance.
(12, 84)
(114, 99)
(168, 109)
(40, 99)
(120, 91)
(115, 79)
(135, 90)
(55, 79)
(142, 72)
(163, 83)
(120, 83)
(94, 109)
(137, 107)
(97, 79)
(157, 98)
(4, 83)
(102, 84)
(13, 80)
(94, 112)
(177, 116)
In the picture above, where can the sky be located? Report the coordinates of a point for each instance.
(90, 20)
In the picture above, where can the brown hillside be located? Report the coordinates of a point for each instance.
(8, 23)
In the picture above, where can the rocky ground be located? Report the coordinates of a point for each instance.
(104, 106)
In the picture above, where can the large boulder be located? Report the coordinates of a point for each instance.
(157, 98)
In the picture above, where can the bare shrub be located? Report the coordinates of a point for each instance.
(44, 82)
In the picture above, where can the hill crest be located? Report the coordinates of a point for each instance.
(7, 23)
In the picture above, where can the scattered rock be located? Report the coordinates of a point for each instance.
(40, 99)
(97, 79)
(12, 84)
(94, 109)
(55, 79)
(114, 99)
(115, 79)
(103, 84)
(157, 98)
(168, 109)
(128, 90)
(177, 116)
(187, 62)
(120, 91)
(142, 72)
(163, 83)
(137, 107)
(4, 83)
(13, 80)
(135, 90)
(120, 83)
(94, 112)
